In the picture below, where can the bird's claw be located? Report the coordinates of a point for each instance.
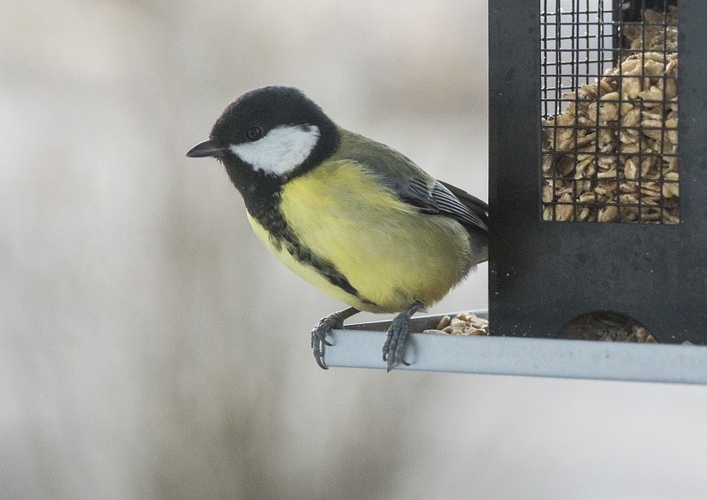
(394, 347)
(319, 341)
(320, 333)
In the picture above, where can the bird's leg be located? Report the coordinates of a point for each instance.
(394, 347)
(324, 327)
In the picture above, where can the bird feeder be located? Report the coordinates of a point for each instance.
(597, 194)
(598, 179)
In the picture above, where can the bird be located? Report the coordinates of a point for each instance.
(355, 218)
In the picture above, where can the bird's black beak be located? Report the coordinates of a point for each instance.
(204, 149)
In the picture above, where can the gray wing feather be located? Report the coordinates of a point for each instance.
(444, 199)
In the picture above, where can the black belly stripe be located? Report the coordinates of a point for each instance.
(270, 217)
(326, 268)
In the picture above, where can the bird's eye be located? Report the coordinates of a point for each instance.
(254, 133)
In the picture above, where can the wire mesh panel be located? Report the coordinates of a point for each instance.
(609, 103)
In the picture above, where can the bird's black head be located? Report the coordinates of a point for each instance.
(269, 135)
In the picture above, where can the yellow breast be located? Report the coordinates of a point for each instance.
(391, 254)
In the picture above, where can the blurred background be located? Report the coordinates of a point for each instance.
(150, 348)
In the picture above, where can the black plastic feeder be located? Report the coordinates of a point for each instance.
(593, 208)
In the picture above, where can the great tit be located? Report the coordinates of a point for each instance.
(353, 217)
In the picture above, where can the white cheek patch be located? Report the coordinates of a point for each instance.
(281, 150)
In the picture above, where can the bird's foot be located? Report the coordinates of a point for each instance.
(394, 347)
(324, 327)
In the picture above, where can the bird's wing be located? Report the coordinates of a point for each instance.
(412, 184)
(477, 207)
(444, 199)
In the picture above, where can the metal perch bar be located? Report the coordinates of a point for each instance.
(359, 346)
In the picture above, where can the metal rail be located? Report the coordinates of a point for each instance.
(359, 346)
